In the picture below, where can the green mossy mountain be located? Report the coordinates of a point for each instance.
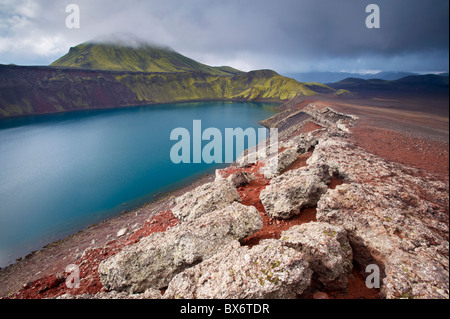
(95, 76)
(138, 58)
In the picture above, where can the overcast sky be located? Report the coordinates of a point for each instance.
(283, 35)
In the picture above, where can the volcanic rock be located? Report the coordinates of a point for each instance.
(276, 164)
(302, 143)
(394, 218)
(240, 179)
(204, 199)
(288, 193)
(268, 270)
(156, 259)
(327, 250)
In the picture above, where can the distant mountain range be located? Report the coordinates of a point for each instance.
(412, 83)
(332, 77)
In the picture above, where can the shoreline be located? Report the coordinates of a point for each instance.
(57, 255)
(130, 106)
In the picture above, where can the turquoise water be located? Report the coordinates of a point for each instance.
(60, 173)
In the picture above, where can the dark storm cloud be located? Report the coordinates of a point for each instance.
(279, 34)
(338, 27)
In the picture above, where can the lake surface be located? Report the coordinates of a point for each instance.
(60, 173)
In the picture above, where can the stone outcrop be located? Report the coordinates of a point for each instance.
(156, 259)
(272, 269)
(205, 199)
(262, 151)
(268, 270)
(288, 193)
(326, 248)
(276, 164)
(393, 218)
(238, 179)
(302, 143)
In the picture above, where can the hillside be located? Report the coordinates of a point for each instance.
(140, 57)
(39, 90)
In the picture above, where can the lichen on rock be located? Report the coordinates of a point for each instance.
(205, 199)
(288, 193)
(276, 164)
(394, 218)
(327, 250)
(268, 270)
(156, 259)
(302, 143)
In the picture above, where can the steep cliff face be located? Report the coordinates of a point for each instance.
(39, 90)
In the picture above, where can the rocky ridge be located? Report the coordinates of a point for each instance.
(383, 214)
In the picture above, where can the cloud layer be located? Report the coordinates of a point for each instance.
(285, 35)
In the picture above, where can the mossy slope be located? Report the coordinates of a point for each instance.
(140, 58)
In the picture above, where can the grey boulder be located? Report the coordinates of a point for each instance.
(156, 259)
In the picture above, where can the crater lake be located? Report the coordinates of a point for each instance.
(60, 173)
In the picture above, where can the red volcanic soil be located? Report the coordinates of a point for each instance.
(309, 127)
(410, 131)
(253, 169)
(55, 285)
(356, 289)
(272, 228)
(301, 160)
(425, 154)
